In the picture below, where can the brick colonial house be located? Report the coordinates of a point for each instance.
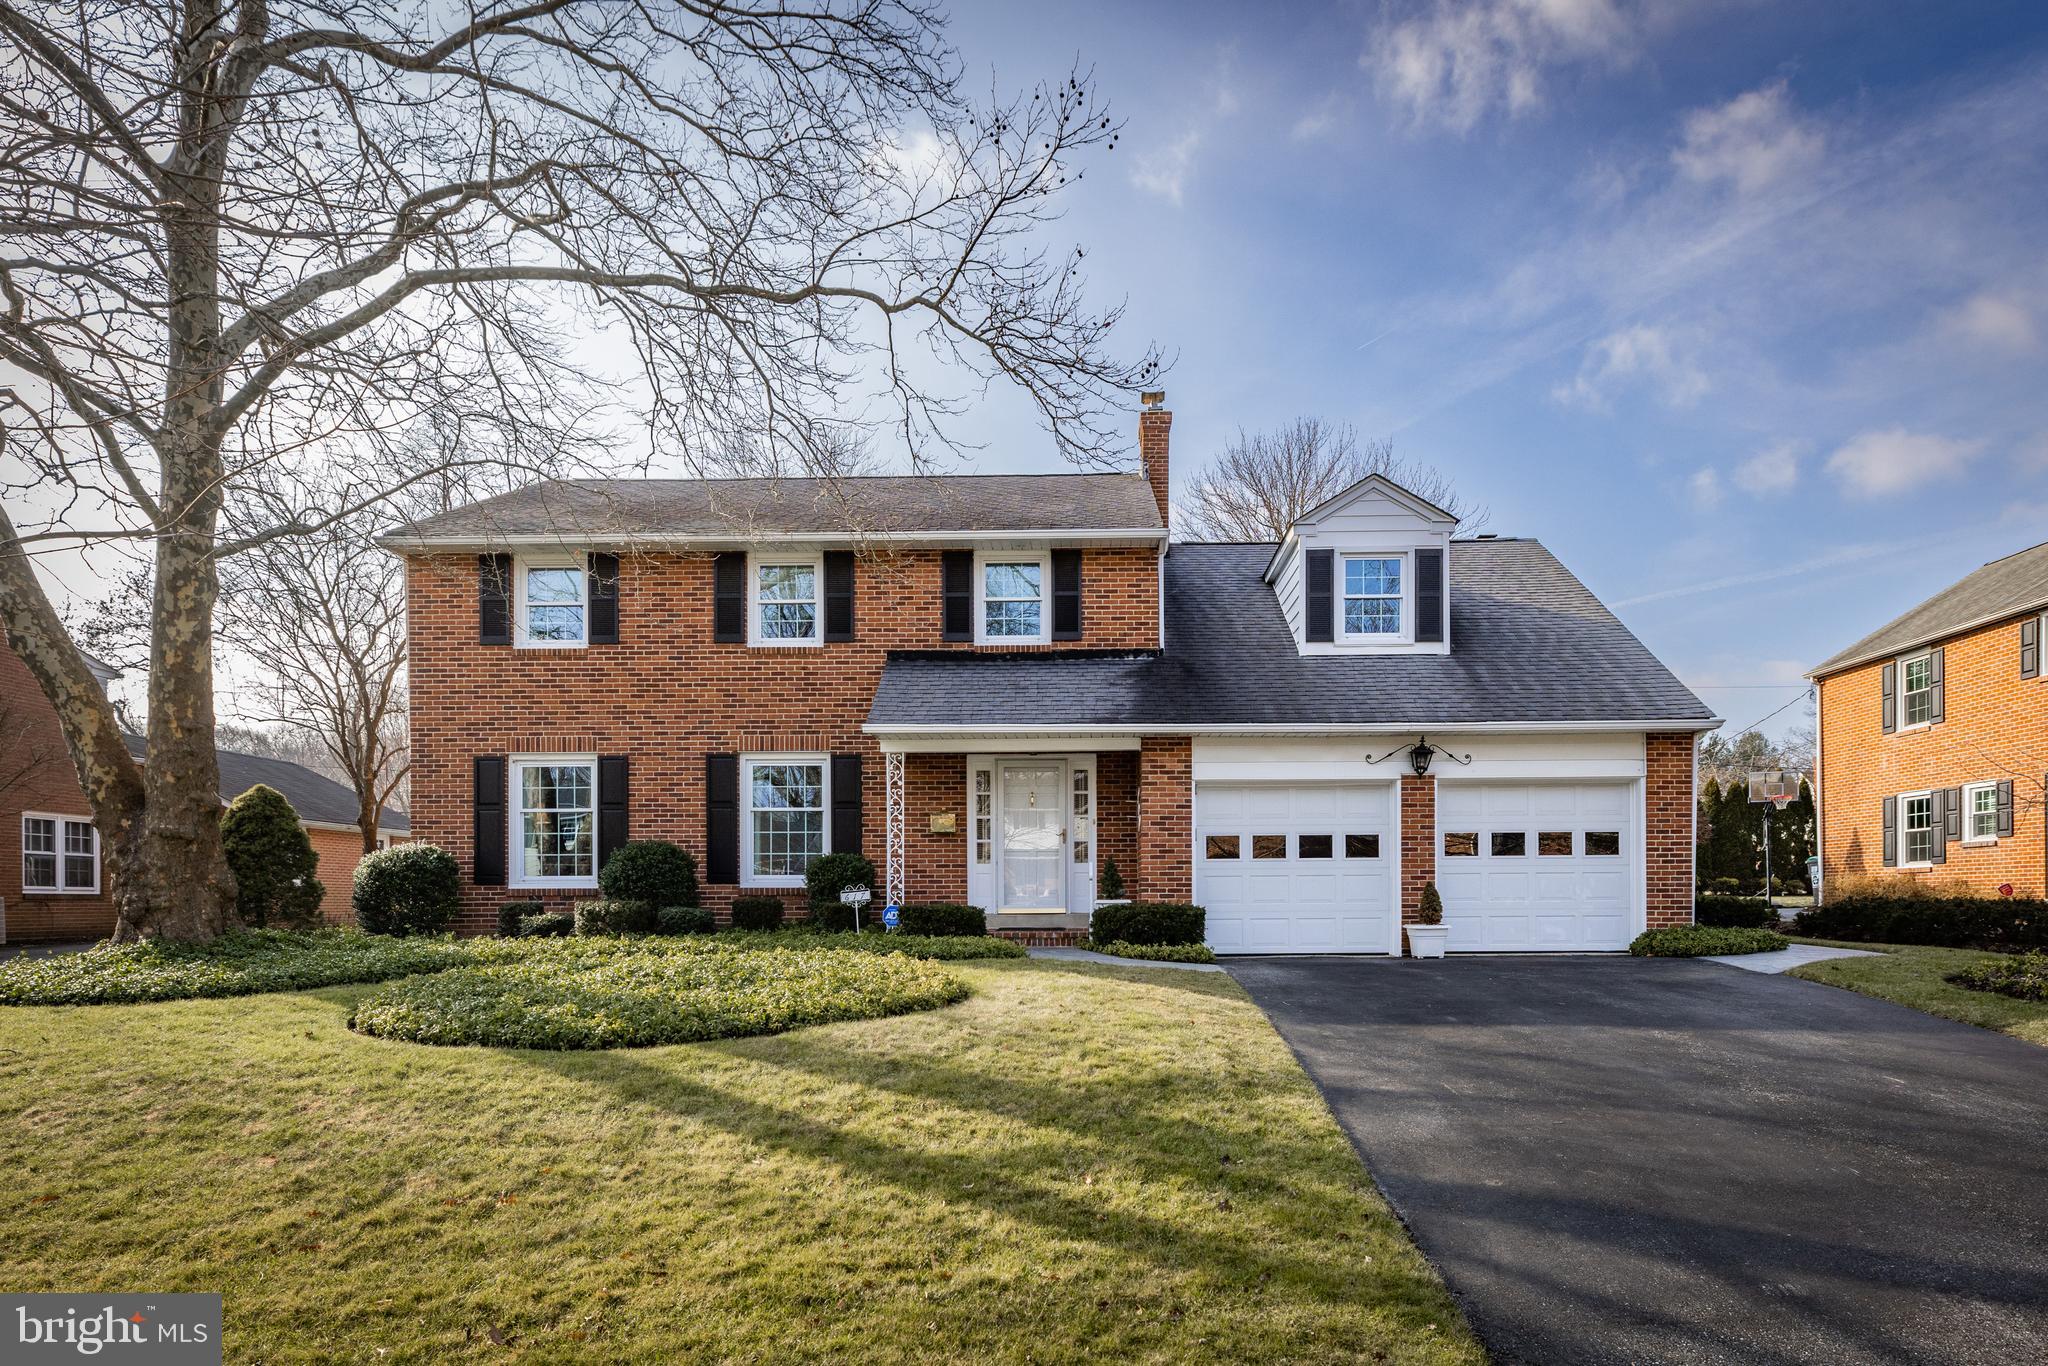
(64, 893)
(994, 686)
(1934, 739)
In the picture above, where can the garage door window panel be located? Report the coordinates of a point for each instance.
(1314, 846)
(1220, 847)
(1461, 844)
(1509, 844)
(1269, 846)
(1554, 844)
(1603, 844)
(1361, 846)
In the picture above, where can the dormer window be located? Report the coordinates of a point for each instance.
(1373, 588)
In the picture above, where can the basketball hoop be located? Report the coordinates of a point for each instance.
(1773, 789)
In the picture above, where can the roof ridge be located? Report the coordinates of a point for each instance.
(842, 478)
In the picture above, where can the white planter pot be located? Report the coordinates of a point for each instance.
(1427, 941)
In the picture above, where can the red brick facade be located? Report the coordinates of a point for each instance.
(1668, 806)
(1166, 819)
(1418, 842)
(1154, 427)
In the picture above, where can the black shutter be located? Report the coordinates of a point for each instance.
(1938, 712)
(1429, 595)
(1952, 828)
(487, 820)
(1319, 573)
(846, 803)
(2005, 809)
(838, 595)
(729, 598)
(1937, 802)
(722, 818)
(2030, 648)
(957, 590)
(604, 599)
(1888, 687)
(1066, 595)
(1891, 832)
(613, 780)
(494, 599)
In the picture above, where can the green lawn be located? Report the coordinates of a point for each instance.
(1078, 1162)
(1914, 976)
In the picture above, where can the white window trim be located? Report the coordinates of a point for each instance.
(1404, 636)
(814, 563)
(515, 837)
(1970, 791)
(60, 889)
(521, 638)
(748, 762)
(1900, 724)
(1934, 832)
(983, 559)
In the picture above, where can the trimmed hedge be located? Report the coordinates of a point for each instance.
(636, 994)
(826, 878)
(683, 920)
(609, 916)
(757, 913)
(949, 947)
(654, 871)
(2023, 977)
(1150, 922)
(409, 889)
(941, 918)
(2000, 925)
(512, 912)
(1734, 912)
(1156, 953)
(1697, 941)
(239, 964)
(547, 925)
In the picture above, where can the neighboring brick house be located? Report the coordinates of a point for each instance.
(1933, 749)
(995, 685)
(64, 893)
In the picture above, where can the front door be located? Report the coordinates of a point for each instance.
(1034, 830)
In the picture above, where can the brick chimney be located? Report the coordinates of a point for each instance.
(1154, 422)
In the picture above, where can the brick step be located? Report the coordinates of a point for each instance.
(1042, 939)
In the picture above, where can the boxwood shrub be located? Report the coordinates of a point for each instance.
(826, 879)
(2023, 976)
(941, 918)
(757, 913)
(546, 925)
(1697, 941)
(2001, 924)
(654, 871)
(1156, 953)
(950, 947)
(608, 915)
(1736, 912)
(1150, 922)
(683, 920)
(512, 912)
(409, 889)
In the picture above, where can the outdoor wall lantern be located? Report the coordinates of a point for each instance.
(1420, 755)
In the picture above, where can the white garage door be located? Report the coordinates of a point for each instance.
(1537, 867)
(1295, 868)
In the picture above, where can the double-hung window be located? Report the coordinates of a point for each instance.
(554, 821)
(1980, 811)
(1916, 828)
(1372, 600)
(786, 603)
(551, 606)
(785, 802)
(1013, 600)
(1916, 691)
(59, 854)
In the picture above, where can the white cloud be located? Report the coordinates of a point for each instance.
(1166, 171)
(1704, 488)
(1752, 142)
(1769, 471)
(1634, 353)
(1994, 321)
(1895, 460)
(1320, 121)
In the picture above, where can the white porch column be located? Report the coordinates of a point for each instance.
(892, 877)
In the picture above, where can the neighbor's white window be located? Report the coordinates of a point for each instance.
(786, 603)
(1916, 692)
(1013, 600)
(785, 812)
(554, 821)
(59, 854)
(1372, 595)
(551, 603)
(1980, 811)
(1916, 827)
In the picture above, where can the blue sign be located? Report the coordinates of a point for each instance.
(890, 917)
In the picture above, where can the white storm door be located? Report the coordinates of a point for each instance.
(1034, 836)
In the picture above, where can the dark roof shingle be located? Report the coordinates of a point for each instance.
(2003, 588)
(314, 796)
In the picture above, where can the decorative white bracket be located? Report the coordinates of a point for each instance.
(892, 764)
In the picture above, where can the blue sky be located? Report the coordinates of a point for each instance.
(1740, 308)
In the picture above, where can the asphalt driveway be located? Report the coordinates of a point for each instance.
(1631, 1160)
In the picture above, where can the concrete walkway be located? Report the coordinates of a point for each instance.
(1782, 960)
(8, 951)
(1090, 956)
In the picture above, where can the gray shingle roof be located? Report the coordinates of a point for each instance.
(712, 509)
(2004, 588)
(313, 796)
(1529, 643)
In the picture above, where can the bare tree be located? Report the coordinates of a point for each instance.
(1263, 481)
(235, 233)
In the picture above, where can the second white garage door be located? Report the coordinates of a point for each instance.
(1295, 868)
(1537, 867)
